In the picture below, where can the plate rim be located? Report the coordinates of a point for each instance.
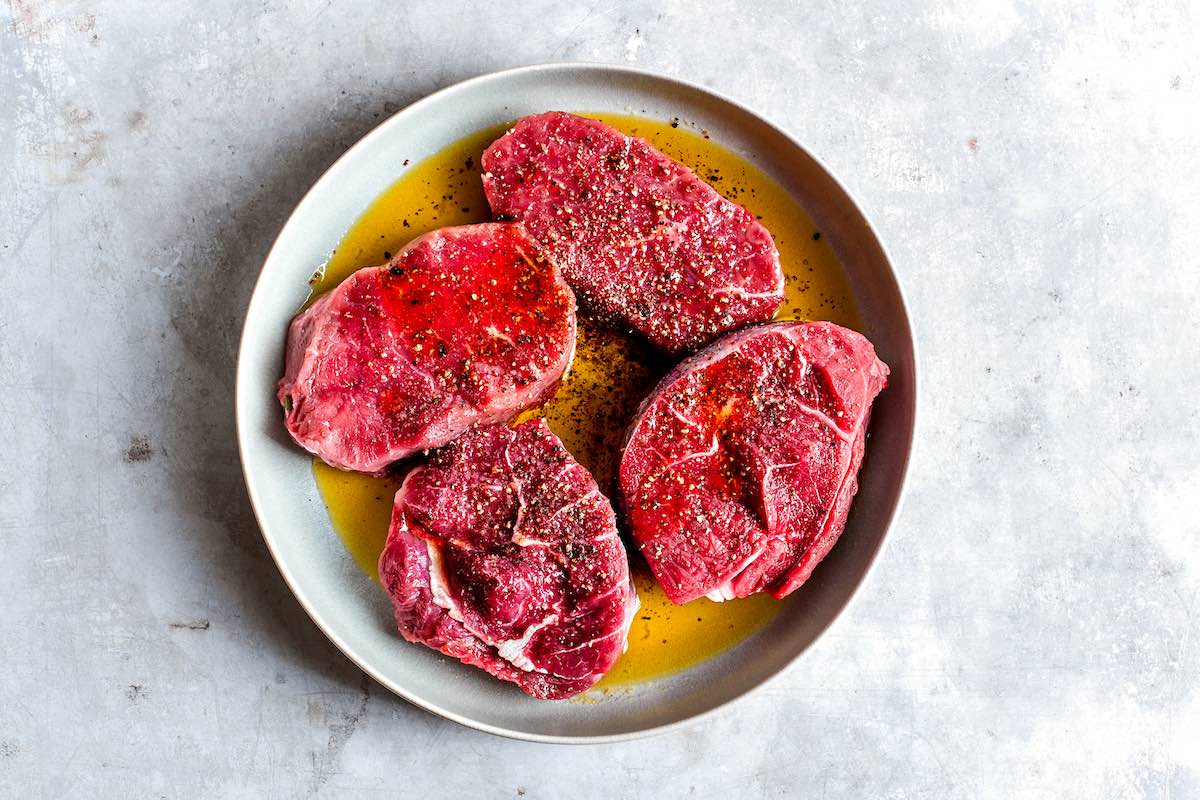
(256, 297)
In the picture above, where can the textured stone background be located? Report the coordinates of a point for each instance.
(1035, 170)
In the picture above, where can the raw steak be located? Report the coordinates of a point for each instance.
(739, 468)
(465, 325)
(641, 239)
(504, 554)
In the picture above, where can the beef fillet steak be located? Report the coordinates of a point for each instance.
(465, 325)
(739, 468)
(504, 554)
(642, 240)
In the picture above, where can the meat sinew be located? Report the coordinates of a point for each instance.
(640, 238)
(739, 468)
(504, 554)
(464, 326)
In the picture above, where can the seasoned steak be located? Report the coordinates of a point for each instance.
(504, 554)
(739, 468)
(642, 240)
(464, 326)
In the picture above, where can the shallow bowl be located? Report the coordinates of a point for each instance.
(353, 611)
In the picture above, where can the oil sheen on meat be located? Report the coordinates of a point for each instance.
(610, 375)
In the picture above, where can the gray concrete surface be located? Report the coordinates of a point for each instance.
(1035, 170)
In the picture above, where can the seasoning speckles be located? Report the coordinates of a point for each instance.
(642, 239)
(371, 343)
(590, 410)
(527, 549)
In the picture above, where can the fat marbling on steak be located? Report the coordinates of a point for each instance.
(641, 239)
(465, 326)
(740, 466)
(504, 554)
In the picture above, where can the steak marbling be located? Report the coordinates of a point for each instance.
(464, 326)
(640, 238)
(740, 466)
(504, 554)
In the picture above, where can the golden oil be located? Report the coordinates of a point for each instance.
(611, 372)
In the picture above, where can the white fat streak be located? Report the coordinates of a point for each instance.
(722, 593)
(496, 333)
(724, 590)
(848, 438)
(576, 502)
(437, 582)
(680, 416)
(746, 293)
(713, 448)
(513, 650)
(621, 630)
(630, 612)
(515, 483)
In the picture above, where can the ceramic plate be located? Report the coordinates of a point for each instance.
(353, 611)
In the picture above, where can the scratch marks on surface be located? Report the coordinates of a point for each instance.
(1075, 212)
(327, 762)
(22, 236)
(69, 139)
(567, 40)
(191, 625)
